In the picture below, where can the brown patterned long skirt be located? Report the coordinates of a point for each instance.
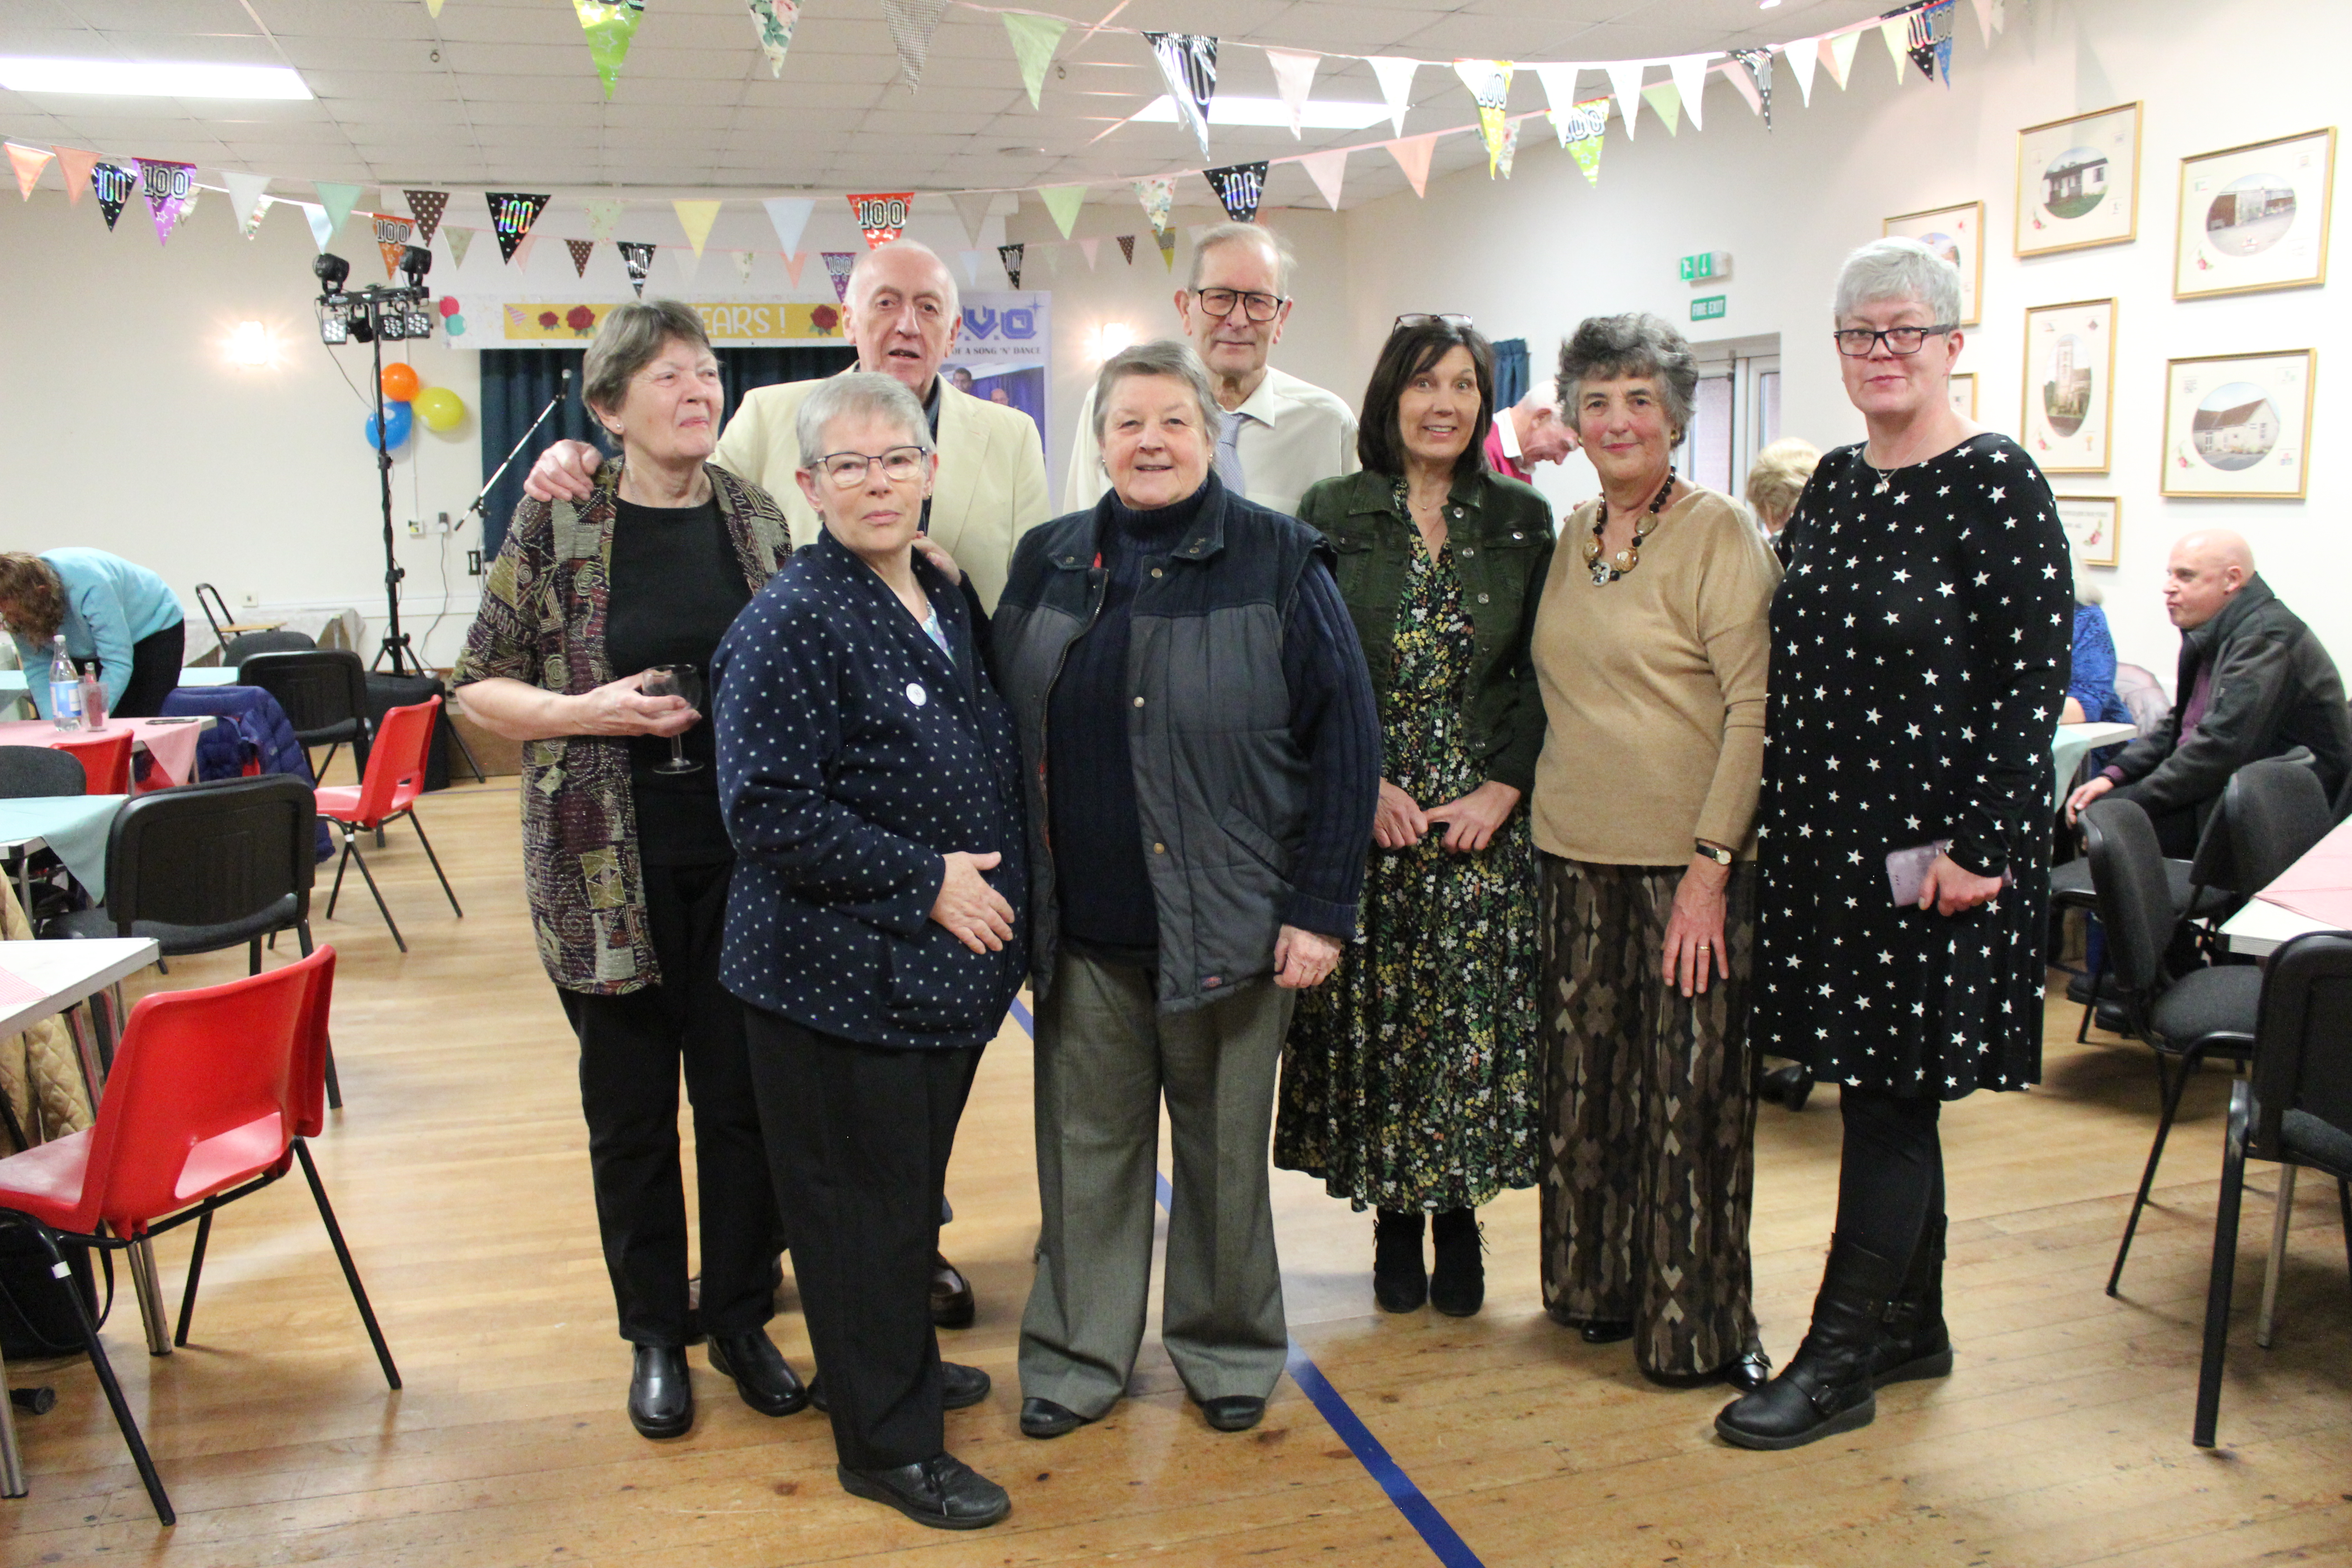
(1649, 1167)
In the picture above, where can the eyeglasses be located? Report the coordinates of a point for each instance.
(1861, 343)
(847, 470)
(1220, 303)
(1423, 318)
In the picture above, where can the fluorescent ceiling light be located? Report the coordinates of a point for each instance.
(1316, 113)
(160, 78)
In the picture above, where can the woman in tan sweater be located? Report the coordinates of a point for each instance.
(1650, 648)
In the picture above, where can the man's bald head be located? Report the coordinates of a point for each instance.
(2207, 570)
(902, 312)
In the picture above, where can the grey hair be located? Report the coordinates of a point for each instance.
(1220, 233)
(955, 297)
(1897, 269)
(1164, 357)
(1777, 478)
(627, 342)
(859, 393)
(1609, 348)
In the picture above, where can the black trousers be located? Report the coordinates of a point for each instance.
(859, 1137)
(154, 671)
(2178, 829)
(630, 1050)
(1891, 1172)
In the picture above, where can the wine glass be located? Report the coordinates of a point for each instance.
(676, 680)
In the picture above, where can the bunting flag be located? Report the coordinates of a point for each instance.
(912, 22)
(1412, 154)
(1009, 254)
(1166, 242)
(1327, 170)
(789, 216)
(169, 188)
(772, 21)
(1064, 202)
(28, 162)
(1294, 77)
(838, 266)
(433, 8)
(522, 251)
(696, 219)
(638, 256)
(1895, 29)
(339, 199)
(1802, 57)
(1689, 72)
(793, 261)
(246, 201)
(391, 241)
(971, 259)
(1625, 81)
(113, 185)
(1559, 86)
(1034, 38)
(743, 259)
(881, 215)
(1837, 53)
(1088, 247)
(1754, 81)
(971, 208)
(1511, 148)
(610, 25)
(323, 230)
(1989, 19)
(1394, 74)
(1667, 104)
(1240, 186)
(1919, 36)
(426, 208)
(512, 214)
(460, 240)
(77, 164)
(1581, 131)
(604, 217)
(1127, 248)
(1489, 82)
(1158, 196)
(581, 249)
(1188, 63)
(1049, 257)
(1938, 20)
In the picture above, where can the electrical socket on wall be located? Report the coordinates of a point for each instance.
(442, 522)
(415, 528)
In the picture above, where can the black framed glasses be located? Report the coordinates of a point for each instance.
(1861, 343)
(1220, 303)
(847, 470)
(1422, 318)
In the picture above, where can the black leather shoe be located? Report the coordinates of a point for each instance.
(1746, 1372)
(1458, 1285)
(1399, 1278)
(1044, 1418)
(762, 1375)
(941, 1491)
(1605, 1331)
(1234, 1412)
(661, 1398)
(952, 1303)
(1791, 1085)
(961, 1387)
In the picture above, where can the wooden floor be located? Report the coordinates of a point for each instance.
(460, 1172)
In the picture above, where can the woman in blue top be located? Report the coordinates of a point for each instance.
(113, 612)
(2091, 696)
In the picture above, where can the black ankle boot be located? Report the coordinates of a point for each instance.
(1457, 1287)
(1399, 1280)
(1827, 1387)
(1789, 1086)
(1915, 1343)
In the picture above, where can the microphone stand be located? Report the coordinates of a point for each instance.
(482, 501)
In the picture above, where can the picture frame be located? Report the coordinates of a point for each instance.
(2078, 181)
(1956, 233)
(2067, 414)
(2094, 526)
(2256, 218)
(2238, 426)
(1962, 390)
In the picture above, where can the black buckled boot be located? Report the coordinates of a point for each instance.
(1828, 1385)
(1916, 1344)
(1400, 1277)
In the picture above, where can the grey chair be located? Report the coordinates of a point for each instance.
(29, 771)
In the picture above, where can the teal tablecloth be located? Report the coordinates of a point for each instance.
(73, 825)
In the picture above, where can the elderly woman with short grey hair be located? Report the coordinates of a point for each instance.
(626, 862)
(1650, 651)
(1203, 756)
(1920, 650)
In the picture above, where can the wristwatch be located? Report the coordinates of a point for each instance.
(1715, 852)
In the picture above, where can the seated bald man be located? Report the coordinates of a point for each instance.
(2254, 683)
(902, 314)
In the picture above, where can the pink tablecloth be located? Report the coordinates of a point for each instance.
(172, 745)
(2319, 886)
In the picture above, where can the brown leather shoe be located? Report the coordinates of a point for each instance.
(952, 1303)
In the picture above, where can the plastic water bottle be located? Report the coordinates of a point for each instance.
(64, 688)
(93, 700)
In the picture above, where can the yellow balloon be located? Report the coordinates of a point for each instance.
(440, 408)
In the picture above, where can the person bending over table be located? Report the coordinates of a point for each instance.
(114, 612)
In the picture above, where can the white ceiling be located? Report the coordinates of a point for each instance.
(502, 93)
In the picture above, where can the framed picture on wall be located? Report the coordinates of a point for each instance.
(1956, 234)
(2078, 181)
(1962, 389)
(2070, 386)
(2093, 525)
(2254, 217)
(2239, 425)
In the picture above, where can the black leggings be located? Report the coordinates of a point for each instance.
(154, 671)
(1891, 1176)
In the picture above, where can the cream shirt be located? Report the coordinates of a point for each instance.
(1293, 434)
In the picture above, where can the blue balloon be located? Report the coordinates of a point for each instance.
(398, 420)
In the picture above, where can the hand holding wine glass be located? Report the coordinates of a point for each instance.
(683, 681)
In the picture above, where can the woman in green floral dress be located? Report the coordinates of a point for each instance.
(1411, 1079)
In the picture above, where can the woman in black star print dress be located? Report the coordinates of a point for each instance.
(1920, 645)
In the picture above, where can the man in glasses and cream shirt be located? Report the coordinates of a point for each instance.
(1281, 434)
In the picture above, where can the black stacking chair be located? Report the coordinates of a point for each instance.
(244, 646)
(28, 771)
(2297, 1109)
(2206, 1012)
(2277, 811)
(323, 692)
(2201, 889)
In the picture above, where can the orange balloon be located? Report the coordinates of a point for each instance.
(400, 383)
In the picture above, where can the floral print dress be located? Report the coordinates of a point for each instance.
(1411, 1077)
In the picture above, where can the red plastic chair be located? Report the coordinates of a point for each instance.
(105, 759)
(395, 778)
(212, 1095)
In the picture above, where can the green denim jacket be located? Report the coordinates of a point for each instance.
(1500, 533)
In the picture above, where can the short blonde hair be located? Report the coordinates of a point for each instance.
(1778, 478)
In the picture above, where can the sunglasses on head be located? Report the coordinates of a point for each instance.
(1423, 318)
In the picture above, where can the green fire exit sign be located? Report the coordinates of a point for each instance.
(1707, 265)
(1707, 310)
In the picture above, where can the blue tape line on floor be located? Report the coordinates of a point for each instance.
(1411, 1502)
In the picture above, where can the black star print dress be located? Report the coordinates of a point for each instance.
(1921, 640)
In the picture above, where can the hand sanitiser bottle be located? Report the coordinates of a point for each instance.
(64, 688)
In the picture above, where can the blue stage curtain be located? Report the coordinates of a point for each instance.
(1510, 372)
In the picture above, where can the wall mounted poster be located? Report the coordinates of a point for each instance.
(1962, 390)
(1956, 234)
(2239, 425)
(2078, 181)
(2070, 386)
(2254, 217)
(2094, 526)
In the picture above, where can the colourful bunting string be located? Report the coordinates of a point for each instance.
(1157, 197)
(881, 215)
(460, 240)
(838, 266)
(1188, 63)
(1294, 77)
(247, 201)
(912, 22)
(28, 162)
(1240, 186)
(512, 214)
(638, 256)
(170, 189)
(391, 242)
(1328, 170)
(772, 21)
(1395, 75)
(610, 26)
(1127, 248)
(789, 216)
(1034, 39)
(581, 249)
(114, 186)
(1489, 82)
(1062, 202)
(77, 164)
(696, 219)
(1412, 154)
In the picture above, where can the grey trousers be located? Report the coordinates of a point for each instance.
(1105, 1056)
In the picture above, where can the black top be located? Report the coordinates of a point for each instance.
(675, 588)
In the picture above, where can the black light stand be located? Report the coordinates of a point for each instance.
(481, 502)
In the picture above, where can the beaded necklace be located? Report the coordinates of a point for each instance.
(1607, 571)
